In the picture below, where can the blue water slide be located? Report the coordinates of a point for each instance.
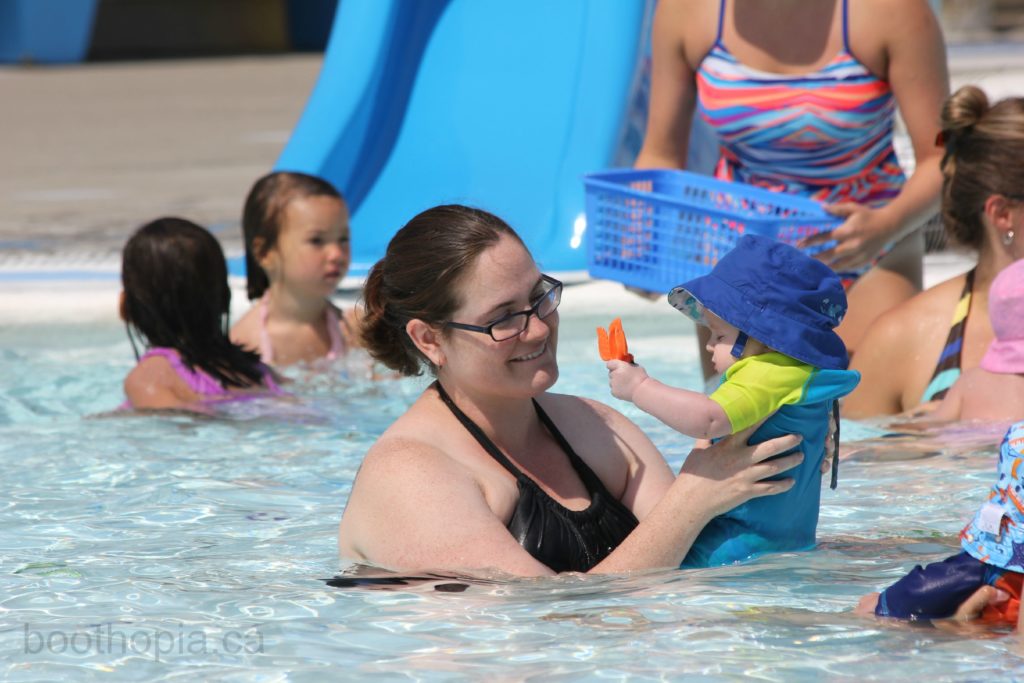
(497, 104)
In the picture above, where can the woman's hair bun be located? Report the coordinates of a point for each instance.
(963, 109)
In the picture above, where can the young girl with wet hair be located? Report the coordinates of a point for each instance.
(296, 229)
(176, 301)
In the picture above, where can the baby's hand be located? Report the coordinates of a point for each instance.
(624, 378)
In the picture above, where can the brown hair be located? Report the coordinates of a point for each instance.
(984, 147)
(418, 277)
(261, 217)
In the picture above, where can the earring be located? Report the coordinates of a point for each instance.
(1008, 238)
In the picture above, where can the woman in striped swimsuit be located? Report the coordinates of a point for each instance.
(948, 325)
(802, 97)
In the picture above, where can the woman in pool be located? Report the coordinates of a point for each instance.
(488, 469)
(913, 354)
(176, 300)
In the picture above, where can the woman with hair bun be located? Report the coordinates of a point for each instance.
(490, 470)
(914, 353)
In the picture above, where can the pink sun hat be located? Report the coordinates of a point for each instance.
(1006, 309)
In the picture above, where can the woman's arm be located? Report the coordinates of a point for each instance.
(673, 94)
(916, 70)
(712, 481)
(672, 511)
(413, 507)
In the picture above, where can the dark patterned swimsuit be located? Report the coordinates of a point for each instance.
(565, 540)
(948, 369)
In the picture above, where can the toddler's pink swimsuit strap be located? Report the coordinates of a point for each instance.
(333, 331)
(198, 380)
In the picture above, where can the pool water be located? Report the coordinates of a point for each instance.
(143, 547)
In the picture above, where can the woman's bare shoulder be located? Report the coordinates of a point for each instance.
(596, 426)
(410, 437)
(580, 410)
(894, 6)
(402, 454)
(929, 310)
(692, 23)
(690, 12)
(901, 17)
(938, 299)
(909, 25)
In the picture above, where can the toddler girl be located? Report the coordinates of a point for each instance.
(296, 252)
(176, 299)
(772, 312)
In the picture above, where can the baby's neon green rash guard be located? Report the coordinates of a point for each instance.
(799, 397)
(757, 386)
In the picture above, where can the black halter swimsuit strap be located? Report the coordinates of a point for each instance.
(590, 480)
(477, 433)
(593, 483)
(562, 539)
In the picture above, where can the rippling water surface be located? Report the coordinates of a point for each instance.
(151, 547)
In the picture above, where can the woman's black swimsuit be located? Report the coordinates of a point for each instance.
(565, 540)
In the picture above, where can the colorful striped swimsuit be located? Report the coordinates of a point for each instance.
(825, 135)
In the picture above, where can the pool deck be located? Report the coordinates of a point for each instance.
(94, 150)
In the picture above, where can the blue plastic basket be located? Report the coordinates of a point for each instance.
(655, 229)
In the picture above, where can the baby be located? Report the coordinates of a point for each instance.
(772, 312)
(992, 554)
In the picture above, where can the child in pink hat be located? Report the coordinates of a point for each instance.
(994, 390)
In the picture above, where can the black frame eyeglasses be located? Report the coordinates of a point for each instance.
(514, 324)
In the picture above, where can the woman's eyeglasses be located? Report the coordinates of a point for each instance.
(514, 324)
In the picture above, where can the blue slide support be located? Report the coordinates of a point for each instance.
(497, 104)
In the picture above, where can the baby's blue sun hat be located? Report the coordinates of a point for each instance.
(996, 534)
(776, 294)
